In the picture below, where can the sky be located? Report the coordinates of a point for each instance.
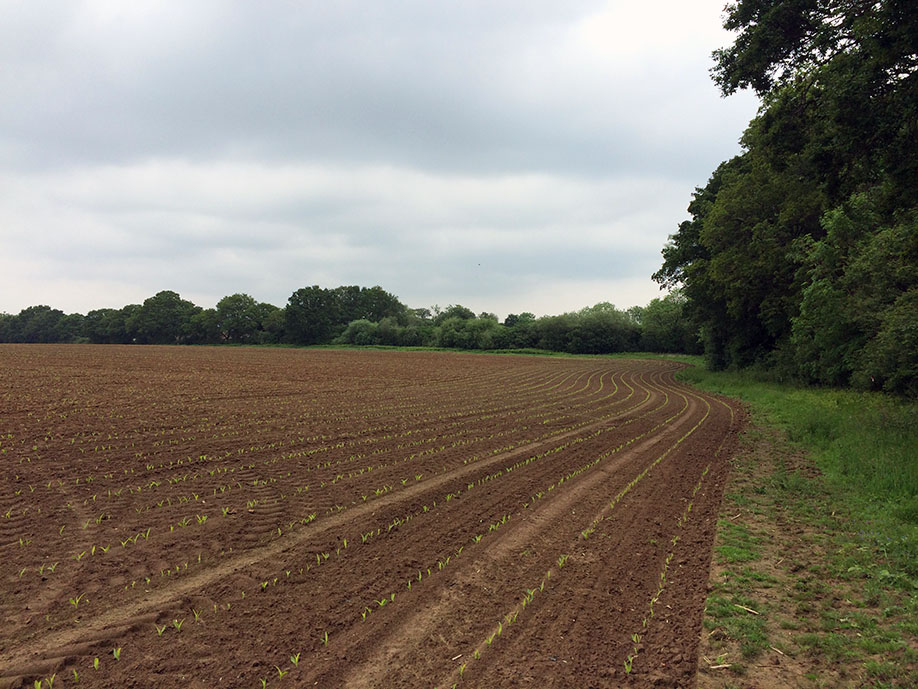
(509, 156)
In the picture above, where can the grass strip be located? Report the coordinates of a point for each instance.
(816, 562)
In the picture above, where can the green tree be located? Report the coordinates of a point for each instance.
(105, 326)
(786, 259)
(311, 316)
(520, 330)
(860, 271)
(204, 328)
(43, 324)
(453, 311)
(273, 320)
(238, 318)
(554, 332)
(164, 318)
(359, 332)
(6, 327)
(315, 315)
(375, 304)
(602, 329)
(890, 359)
(421, 314)
(667, 327)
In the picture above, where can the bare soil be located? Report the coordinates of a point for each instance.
(227, 517)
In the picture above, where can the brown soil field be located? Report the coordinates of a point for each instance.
(232, 517)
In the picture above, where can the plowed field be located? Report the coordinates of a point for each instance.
(221, 517)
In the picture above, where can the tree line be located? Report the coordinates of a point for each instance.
(360, 316)
(801, 254)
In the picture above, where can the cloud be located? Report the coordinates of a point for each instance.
(218, 147)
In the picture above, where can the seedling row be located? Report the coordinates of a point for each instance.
(336, 518)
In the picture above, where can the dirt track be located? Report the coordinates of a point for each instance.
(397, 519)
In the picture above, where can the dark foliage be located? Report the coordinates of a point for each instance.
(801, 253)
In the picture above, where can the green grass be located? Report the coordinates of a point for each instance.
(819, 535)
(525, 351)
(737, 544)
(866, 445)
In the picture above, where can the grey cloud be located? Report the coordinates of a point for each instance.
(213, 147)
(415, 84)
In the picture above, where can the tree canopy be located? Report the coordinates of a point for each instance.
(801, 253)
(359, 316)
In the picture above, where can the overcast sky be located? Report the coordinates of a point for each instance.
(531, 155)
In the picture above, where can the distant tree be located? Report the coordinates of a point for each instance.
(6, 327)
(359, 332)
(469, 333)
(71, 328)
(554, 332)
(389, 332)
(164, 318)
(315, 315)
(520, 330)
(603, 307)
(273, 321)
(417, 336)
(238, 318)
(105, 326)
(127, 316)
(451, 333)
(485, 332)
(311, 316)
(204, 328)
(602, 329)
(666, 326)
(42, 324)
(375, 304)
(636, 313)
(453, 311)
